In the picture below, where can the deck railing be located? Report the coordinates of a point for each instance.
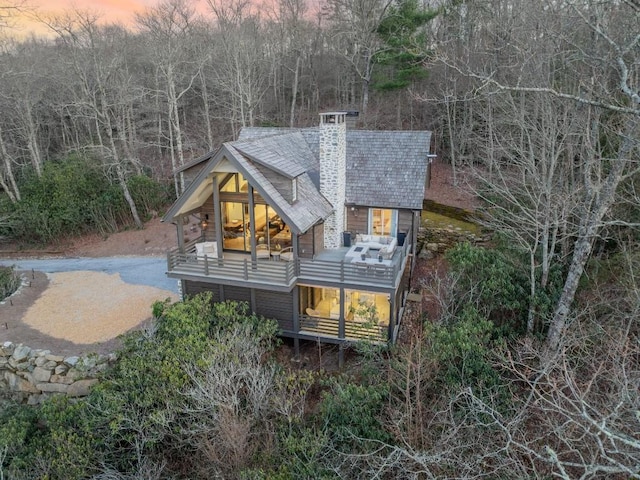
(347, 272)
(279, 273)
(329, 327)
(285, 272)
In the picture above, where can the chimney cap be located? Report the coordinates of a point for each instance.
(332, 117)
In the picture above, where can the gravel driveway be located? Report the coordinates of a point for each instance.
(148, 271)
(78, 305)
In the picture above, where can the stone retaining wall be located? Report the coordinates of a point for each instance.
(31, 375)
(432, 241)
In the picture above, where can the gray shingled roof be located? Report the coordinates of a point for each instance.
(387, 168)
(384, 168)
(287, 154)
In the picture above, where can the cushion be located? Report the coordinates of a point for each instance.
(210, 249)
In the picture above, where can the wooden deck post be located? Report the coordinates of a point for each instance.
(296, 319)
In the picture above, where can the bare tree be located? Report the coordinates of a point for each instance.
(243, 65)
(354, 25)
(601, 87)
(169, 27)
(105, 91)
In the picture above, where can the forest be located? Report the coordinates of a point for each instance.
(529, 367)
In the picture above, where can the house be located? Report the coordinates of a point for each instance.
(313, 227)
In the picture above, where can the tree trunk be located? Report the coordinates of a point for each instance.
(207, 115)
(589, 226)
(14, 191)
(294, 93)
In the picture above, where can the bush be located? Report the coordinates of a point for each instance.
(9, 281)
(492, 283)
(52, 441)
(352, 413)
(73, 196)
(464, 350)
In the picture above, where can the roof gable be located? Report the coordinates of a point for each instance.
(309, 209)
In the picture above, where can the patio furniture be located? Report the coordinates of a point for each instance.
(208, 249)
(262, 252)
(357, 251)
(385, 244)
(286, 254)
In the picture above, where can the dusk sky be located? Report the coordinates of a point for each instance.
(116, 11)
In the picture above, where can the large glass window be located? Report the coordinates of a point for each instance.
(359, 306)
(235, 224)
(269, 228)
(320, 302)
(383, 222)
(234, 182)
(367, 307)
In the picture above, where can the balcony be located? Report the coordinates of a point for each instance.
(328, 268)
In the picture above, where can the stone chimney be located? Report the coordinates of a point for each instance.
(333, 172)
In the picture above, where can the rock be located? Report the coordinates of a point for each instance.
(54, 358)
(74, 374)
(40, 361)
(81, 388)
(52, 387)
(18, 384)
(88, 363)
(7, 349)
(20, 353)
(41, 375)
(60, 369)
(432, 247)
(61, 379)
(72, 361)
(50, 365)
(426, 254)
(19, 365)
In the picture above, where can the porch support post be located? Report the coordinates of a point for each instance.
(296, 259)
(252, 299)
(180, 229)
(341, 318)
(392, 316)
(217, 215)
(296, 319)
(252, 222)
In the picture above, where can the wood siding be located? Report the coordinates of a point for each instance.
(239, 294)
(273, 305)
(405, 222)
(311, 242)
(357, 220)
(276, 305)
(208, 233)
(192, 288)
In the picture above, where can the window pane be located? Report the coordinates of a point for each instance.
(235, 220)
(382, 221)
(367, 307)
